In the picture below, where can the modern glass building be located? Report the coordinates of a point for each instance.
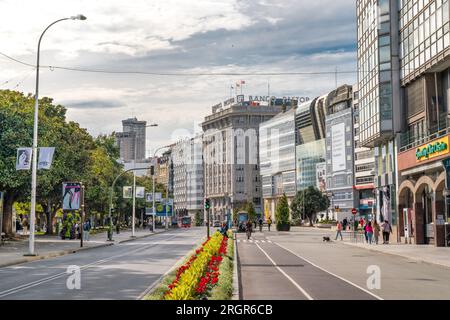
(340, 152)
(380, 111)
(308, 155)
(277, 160)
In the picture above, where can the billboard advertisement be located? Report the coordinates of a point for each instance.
(71, 196)
(338, 147)
(321, 172)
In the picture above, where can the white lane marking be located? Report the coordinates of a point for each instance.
(62, 274)
(335, 275)
(263, 241)
(286, 275)
(251, 240)
(269, 241)
(245, 240)
(256, 241)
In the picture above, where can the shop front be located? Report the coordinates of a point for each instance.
(422, 195)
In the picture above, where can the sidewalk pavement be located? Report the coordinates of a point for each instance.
(12, 252)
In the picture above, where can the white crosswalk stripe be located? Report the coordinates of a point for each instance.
(263, 241)
(251, 241)
(256, 241)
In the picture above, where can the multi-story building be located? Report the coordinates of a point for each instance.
(403, 94)
(231, 156)
(162, 169)
(131, 141)
(364, 168)
(340, 152)
(310, 141)
(277, 160)
(380, 111)
(423, 28)
(188, 176)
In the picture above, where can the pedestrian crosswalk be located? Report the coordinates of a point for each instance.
(253, 241)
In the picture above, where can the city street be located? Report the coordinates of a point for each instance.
(299, 265)
(122, 271)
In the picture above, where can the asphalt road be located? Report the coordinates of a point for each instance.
(122, 271)
(300, 266)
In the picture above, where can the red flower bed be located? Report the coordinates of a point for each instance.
(186, 266)
(211, 276)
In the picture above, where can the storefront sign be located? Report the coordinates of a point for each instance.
(432, 150)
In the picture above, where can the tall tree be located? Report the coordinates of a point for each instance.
(308, 203)
(251, 211)
(282, 212)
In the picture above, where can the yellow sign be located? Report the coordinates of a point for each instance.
(433, 149)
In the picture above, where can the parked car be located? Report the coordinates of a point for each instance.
(216, 224)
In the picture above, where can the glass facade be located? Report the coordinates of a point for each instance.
(308, 155)
(424, 32)
(375, 65)
(277, 155)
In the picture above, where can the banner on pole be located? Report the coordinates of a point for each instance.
(71, 196)
(127, 192)
(140, 192)
(158, 196)
(149, 197)
(23, 161)
(45, 158)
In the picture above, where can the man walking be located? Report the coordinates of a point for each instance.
(86, 230)
(339, 230)
(387, 230)
(269, 222)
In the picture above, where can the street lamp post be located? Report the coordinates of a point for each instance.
(134, 182)
(35, 138)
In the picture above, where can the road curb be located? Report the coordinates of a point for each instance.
(399, 255)
(236, 293)
(141, 237)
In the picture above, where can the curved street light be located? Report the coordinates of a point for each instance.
(35, 137)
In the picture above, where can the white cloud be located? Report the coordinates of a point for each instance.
(133, 28)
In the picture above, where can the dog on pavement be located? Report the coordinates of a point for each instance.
(326, 239)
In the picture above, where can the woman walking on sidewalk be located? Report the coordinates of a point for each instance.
(339, 230)
(369, 232)
(376, 231)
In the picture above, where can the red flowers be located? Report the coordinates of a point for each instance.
(212, 272)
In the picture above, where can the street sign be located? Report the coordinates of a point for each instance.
(354, 211)
(140, 192)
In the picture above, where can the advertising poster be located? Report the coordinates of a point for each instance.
(338, 147)
(321, 171)
(140, 192)
(127, 192)
(71, 196)
(23, 161)
(45, 158)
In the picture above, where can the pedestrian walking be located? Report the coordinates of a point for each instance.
(387, 230)
(344, 224)
(86, 230)
(25, 226)
(369, 232)
(269, 223)
(376, 231)
(339, 230)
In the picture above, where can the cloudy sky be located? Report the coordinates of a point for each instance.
(178, 37)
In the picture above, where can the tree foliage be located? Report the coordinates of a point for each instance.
(308, 203)
(282, 211)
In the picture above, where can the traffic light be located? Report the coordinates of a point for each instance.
(207, 204)
(152, 170)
